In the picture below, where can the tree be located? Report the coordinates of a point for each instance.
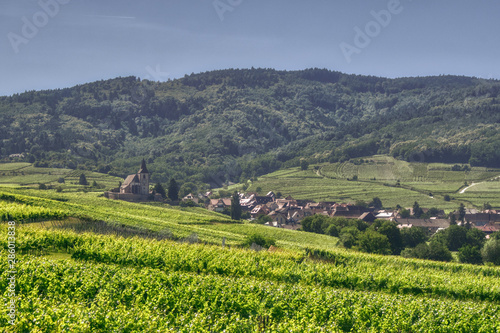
(461, 212)
(94, 184)
(158, 188)
(446, 197)
(453, 219)
(391, 231)
(455, 237)
(304, 165)
(475, 237)
(349, 237)
(374, 242)
(42, 186)
(491, 251)
(417, 211)
(235, 207)
(258, 189)
(83, 180)
(470, 255)
(439, 252)
(377, 203)
(405, 213)
(173, 190)
(411, 237)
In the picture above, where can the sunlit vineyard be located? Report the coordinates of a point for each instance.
(112, 284)
(13, 211)
(71, 281)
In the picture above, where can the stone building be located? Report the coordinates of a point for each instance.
(135, 187)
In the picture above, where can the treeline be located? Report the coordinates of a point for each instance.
(385, 237)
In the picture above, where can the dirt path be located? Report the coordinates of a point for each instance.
(474, 184)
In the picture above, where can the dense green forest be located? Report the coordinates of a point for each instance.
(236, 124)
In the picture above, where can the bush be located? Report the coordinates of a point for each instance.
(373, 242)
(470, 255)
(260, 240)
(42, 186)
(188, 203)
(491, 251)
(413, 236)
(435, 251)
(263, 219)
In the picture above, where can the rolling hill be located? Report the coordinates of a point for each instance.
(235, 124)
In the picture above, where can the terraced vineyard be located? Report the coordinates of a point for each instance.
(115, 284)
(378, 176)
(27, 175)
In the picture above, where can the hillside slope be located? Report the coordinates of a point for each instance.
(233, 124)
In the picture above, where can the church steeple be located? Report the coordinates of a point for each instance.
(143, 168)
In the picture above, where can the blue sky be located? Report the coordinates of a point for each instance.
(59, 43)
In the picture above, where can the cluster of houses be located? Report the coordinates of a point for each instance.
(288, 213)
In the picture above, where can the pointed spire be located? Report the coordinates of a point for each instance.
(143, 168)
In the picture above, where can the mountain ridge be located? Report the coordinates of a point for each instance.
(240, 123)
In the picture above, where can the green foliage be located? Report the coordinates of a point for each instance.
(260, 240)
(263, 219)
(491, 251)
(304, 165)
(158, 188)
(235, 207)
(377, 203)
(391, 231)
(432, 251)
(173, 190)
(470, 255)
(83, 180)
(374, 242)
(218, 126)
(411, 237)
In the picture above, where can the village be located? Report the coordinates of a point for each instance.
(289, 212)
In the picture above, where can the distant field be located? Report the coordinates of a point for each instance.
(26, 175)
(377, 177)
(483, 192)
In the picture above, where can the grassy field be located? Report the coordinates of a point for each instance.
(427, 183)
(27, 175)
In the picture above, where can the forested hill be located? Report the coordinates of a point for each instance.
(233, 124)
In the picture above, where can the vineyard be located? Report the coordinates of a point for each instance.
(112, 284)
(378, 176)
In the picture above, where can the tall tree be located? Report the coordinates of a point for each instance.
(173, 190)
(235, 207)
(461, 212)
(83, 180)
(160, 190)
(417, 211)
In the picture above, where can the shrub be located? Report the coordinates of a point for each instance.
(470, 255)
(373, 242)
(491, 251)
(260, 240)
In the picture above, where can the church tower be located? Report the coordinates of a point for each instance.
(143, 175)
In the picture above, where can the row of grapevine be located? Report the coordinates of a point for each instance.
(67, 296)
(341, 269)
(10, 211)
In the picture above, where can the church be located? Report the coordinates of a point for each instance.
(135, 187)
